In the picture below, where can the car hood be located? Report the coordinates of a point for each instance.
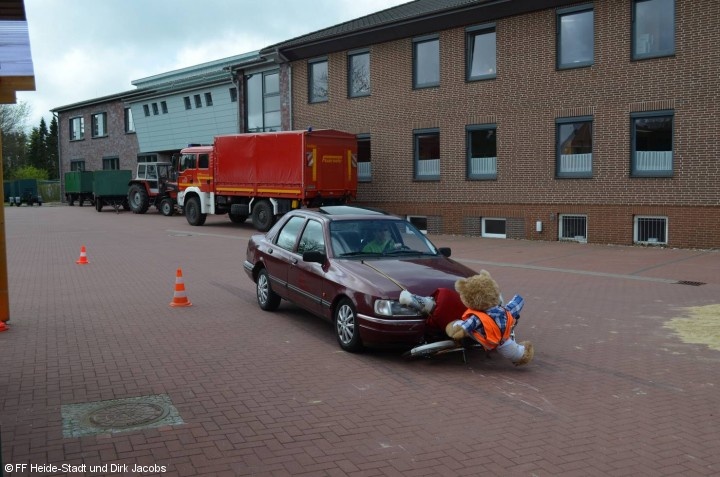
(421, 276)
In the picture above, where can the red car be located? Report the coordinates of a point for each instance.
(349, 265)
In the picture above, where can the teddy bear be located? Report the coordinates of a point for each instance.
(484, 318)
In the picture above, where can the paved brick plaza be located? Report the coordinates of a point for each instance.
(222, 388)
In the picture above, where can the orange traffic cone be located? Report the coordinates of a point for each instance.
(3, 326)
(180, 298)
(83, 257)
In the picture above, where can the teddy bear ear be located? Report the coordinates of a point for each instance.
(460, 285)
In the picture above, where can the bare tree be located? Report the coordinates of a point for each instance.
(13, 117)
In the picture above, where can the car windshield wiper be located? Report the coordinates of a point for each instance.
(355, 254)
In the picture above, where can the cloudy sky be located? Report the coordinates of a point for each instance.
(84, 49)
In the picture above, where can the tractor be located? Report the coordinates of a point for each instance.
(154, 184)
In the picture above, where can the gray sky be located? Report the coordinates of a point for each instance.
(84, 49)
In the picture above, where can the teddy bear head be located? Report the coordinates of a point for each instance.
(479, 292)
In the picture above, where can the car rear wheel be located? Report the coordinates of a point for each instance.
(346, 326)
(266, 298)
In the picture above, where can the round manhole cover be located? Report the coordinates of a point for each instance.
(124, 415)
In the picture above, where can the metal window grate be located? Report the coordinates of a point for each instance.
(651, 230)
(573, 227)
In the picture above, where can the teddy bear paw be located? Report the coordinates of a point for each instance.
(422, 304)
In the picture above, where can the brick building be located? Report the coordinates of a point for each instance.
(587, 121)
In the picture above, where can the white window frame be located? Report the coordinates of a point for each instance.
(650, 242)
(485, 234)
(576, 238)
(77, 128)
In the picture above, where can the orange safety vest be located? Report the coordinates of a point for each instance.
(493, 336)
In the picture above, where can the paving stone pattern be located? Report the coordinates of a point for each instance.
(612, 391)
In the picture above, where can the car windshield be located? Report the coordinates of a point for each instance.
(367, 238)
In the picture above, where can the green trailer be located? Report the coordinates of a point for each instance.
(79, 187)
(25, 191)
(111, 188)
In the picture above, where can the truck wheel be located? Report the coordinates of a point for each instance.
(192, 212)
(98, 204)
(167, 207)
(138, 199)
(237, 219)
(70, 200)
(262, 216)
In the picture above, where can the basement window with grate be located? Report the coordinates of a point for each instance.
(572, 227)
(650, 230)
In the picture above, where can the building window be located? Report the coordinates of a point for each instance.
(146, 110)
(575, 37)
(188, 105)
(493, 227)
(359, 74)
(427, 154)
(129, 122)
(653, 28)
(482, 152)
(155, 109)
(110, 163)
(419, 221)
(426, 62)
(263, 101)
(363, 158)
(573, 227)
(481, 52)
(574, 147)
(77, 128)
(650, 230)
(163, 107)
(233, 95)
(198, 101)
(208, 99)
(99, 124)
(652, 144)
(318, 80)
(77, 165)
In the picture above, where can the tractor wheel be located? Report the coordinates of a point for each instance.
(138, 199)
(98, 204)
(192, 212)
(167, 207)
(262, 216)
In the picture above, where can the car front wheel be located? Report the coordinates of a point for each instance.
(347, 329)
(266, 298)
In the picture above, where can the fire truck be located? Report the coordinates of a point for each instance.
(264, 175)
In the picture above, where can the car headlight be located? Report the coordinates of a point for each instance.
(392, 308)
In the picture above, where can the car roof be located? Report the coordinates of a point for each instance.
(350, 210)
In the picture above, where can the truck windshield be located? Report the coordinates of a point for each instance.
(187, 161)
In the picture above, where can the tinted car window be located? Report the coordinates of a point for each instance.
(289, 233)
(312, 238)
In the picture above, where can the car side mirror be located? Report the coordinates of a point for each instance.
(445, 251)
(314, 256)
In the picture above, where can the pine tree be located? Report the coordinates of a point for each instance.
(53, 162)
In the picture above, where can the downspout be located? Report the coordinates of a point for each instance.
(61, 176)
(284, 59)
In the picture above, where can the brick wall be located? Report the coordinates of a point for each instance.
(524, 101)
(117, 143)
